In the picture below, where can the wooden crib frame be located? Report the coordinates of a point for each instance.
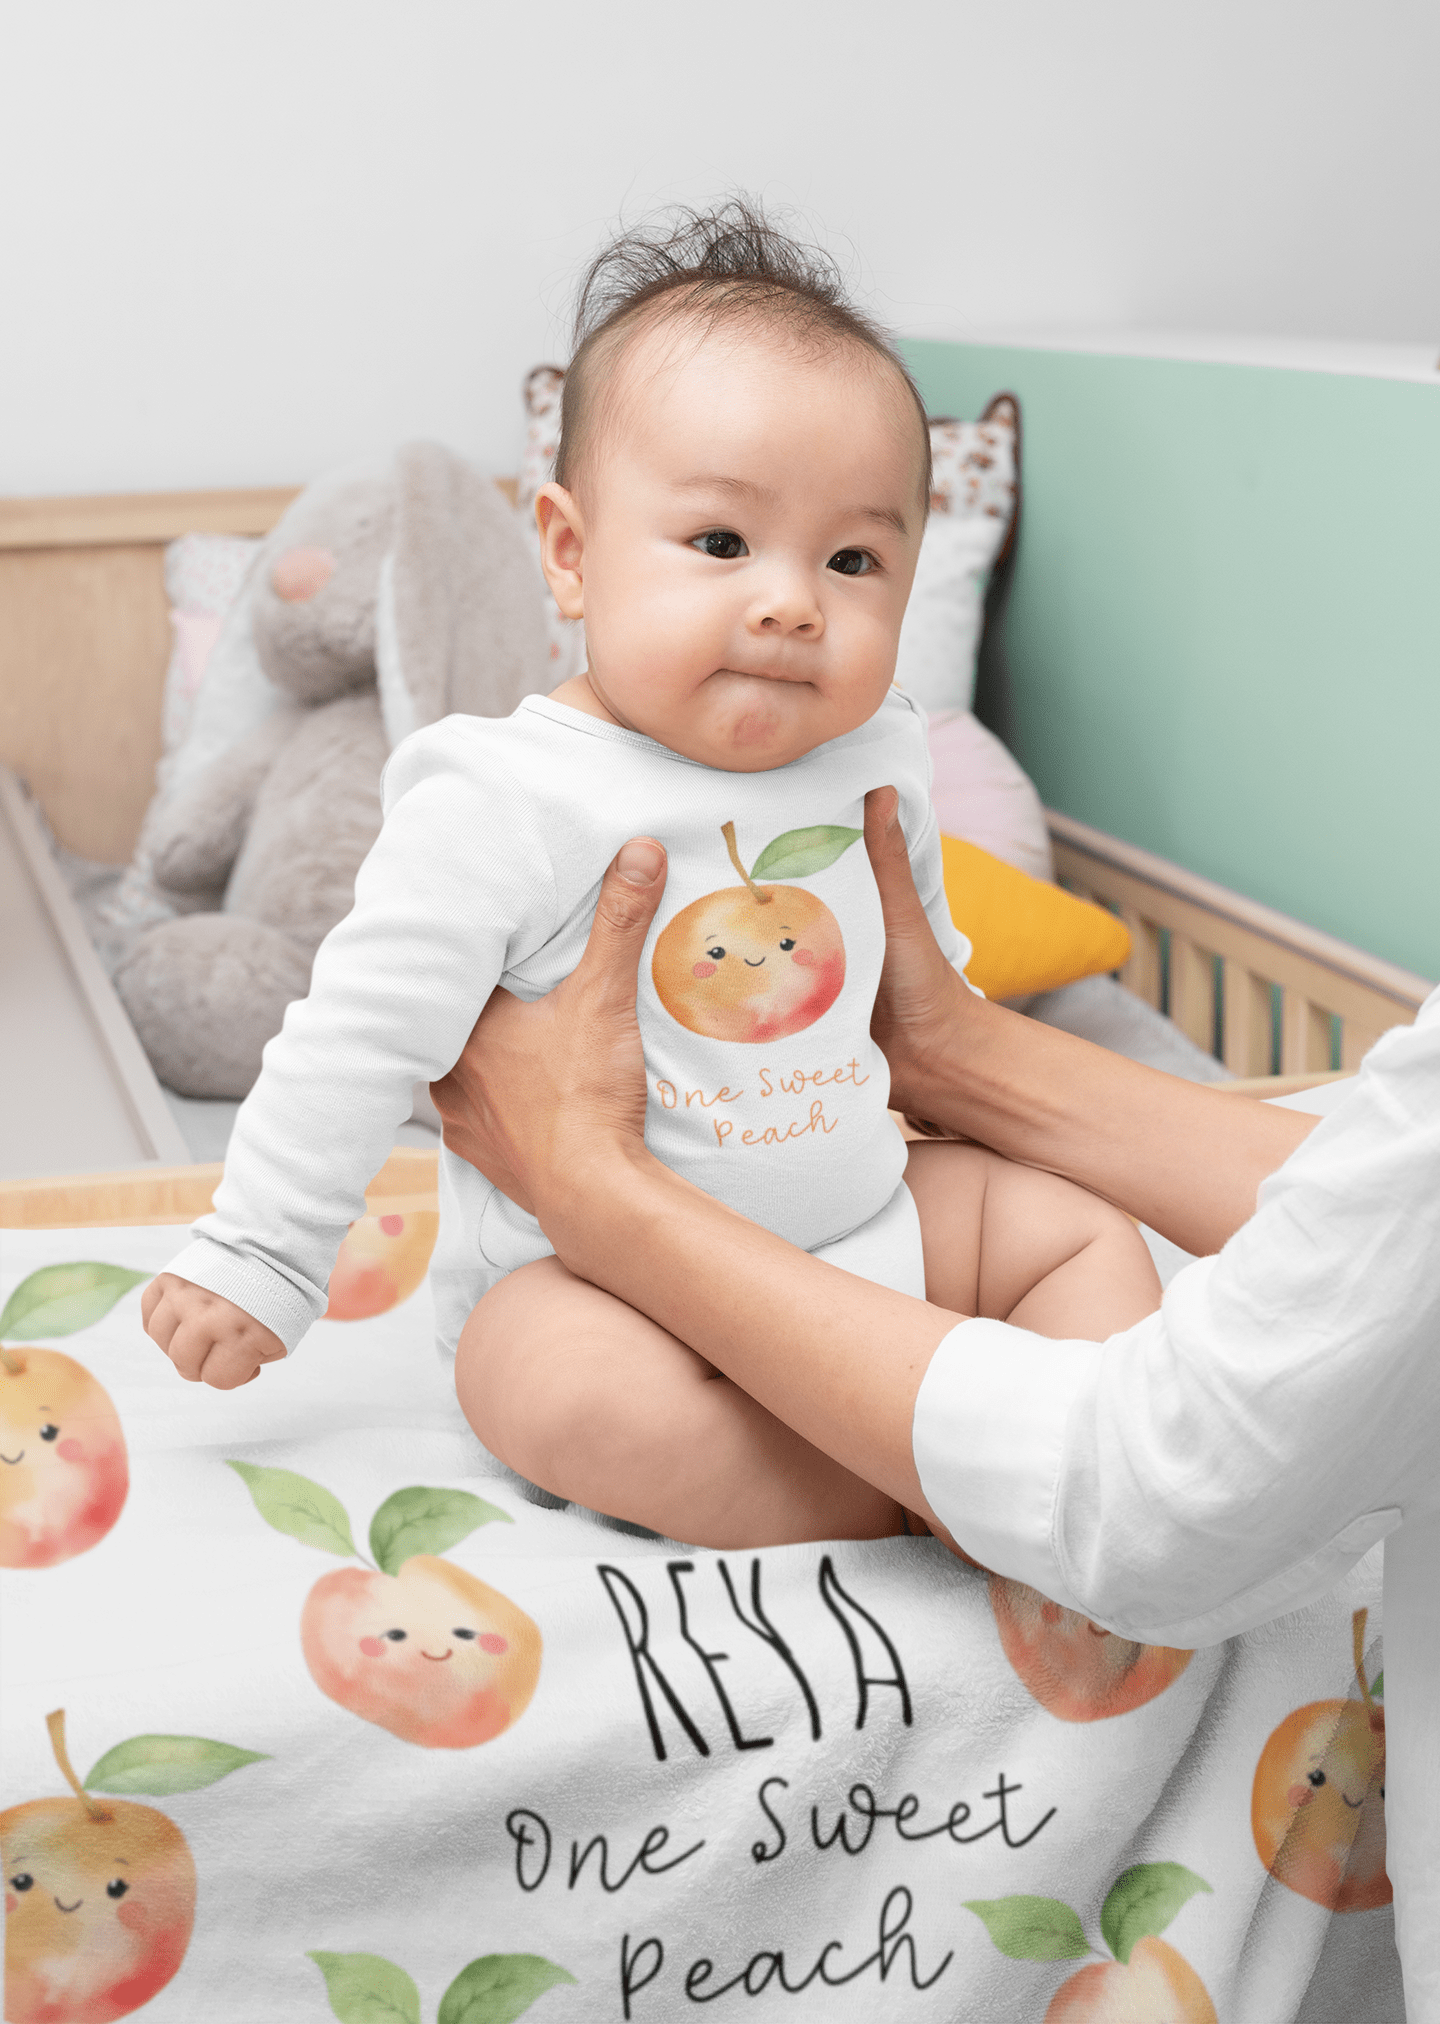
(84, 643)
(1282, 1005)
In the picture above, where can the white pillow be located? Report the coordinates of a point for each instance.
(972, 513)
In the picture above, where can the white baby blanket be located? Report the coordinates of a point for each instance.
(439, 1754)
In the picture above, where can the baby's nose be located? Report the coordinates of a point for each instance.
(789, 607)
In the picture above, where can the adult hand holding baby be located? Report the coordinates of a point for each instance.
(576, 1053)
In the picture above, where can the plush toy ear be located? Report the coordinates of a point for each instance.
(460, 623)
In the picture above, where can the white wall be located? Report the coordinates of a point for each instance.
(243, 239)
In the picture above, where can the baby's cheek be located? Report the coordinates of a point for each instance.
(703, 970)
(806, 958)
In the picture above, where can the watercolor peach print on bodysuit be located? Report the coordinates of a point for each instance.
(755, 962)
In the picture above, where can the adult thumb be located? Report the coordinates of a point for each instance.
(629, 894)
(889, 856)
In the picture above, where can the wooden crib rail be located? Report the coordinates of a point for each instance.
(1261, 992)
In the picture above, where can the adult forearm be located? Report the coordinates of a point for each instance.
(836, 1358)
(1184, 1158)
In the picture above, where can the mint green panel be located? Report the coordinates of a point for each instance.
(1224, 630)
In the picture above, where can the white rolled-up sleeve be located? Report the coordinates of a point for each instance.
(1228, 1458)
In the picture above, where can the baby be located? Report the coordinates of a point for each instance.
(740, 490)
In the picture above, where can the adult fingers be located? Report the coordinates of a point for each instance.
(890, 861)
(629, 894)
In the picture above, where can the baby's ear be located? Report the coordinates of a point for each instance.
(562, 547)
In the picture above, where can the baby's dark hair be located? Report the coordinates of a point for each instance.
(726, 265)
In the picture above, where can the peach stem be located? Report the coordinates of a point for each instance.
(1357, 1631)
(727, 830)
(14, 1365)
(55, 1723)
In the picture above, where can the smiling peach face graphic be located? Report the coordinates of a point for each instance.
(63, 1468)
(100, 1895)
(756, 963)
(1317, 1808)
(431, 1654)
(98, 1911)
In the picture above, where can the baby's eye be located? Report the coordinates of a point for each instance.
(395, 1636)
(49, 1433)
(117, 1887)
(851, 562)
(721, 542)
(24, 1881)
(715, 954)
(788, 943)
(460, 1631)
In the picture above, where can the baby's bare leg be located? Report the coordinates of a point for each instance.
(1018, 1245)
(572, 1388)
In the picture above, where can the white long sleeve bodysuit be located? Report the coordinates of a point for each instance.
(764, 1086)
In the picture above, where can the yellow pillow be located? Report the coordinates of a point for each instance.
(1027, 935)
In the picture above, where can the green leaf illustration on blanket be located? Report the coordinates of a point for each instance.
(1147, 1977)
(1074, 1668)
(100, 1899)
(1317, 1808)
(496, 1989)
(757, 962)
(413, 1643)
(64, 1473)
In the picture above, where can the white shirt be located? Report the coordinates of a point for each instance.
(1226, 1459)
(763, 1085)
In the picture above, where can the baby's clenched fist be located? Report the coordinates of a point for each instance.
(205, 1336)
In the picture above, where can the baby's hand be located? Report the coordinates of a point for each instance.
(206, 1336)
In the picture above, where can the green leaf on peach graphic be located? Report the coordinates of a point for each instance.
(59, 1299)
(1142, 1902)
(160, 1765)
(498, 1988)
(367, 1989)
(295, 1505)
(418, 1520)
(1032, 1928)
(801, 852)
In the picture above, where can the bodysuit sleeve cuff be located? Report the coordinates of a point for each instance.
(988, 1438)
(262, 1291)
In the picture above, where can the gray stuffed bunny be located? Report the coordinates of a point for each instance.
(378, 604)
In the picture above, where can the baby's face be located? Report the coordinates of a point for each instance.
(741, 545)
